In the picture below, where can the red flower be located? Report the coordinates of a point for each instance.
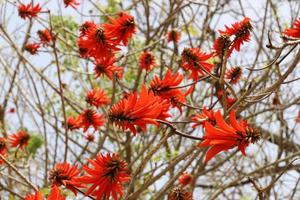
(36, 196)
(294, 31)
(180, 193)
(73, 123)
(221, 45)
(136, 110)
(67, 175)
(91, 118)
(72, 3)
(241, 32)
(90, 137)
(86, 26)
(44, 36)
(106, 66)
(3, 146)
(195, 60)
(229, 100)
(29, 11)
(97, 43)
(147, 60)
(163, 88)
(55, 194)
(32, 48)
(97, 98)
(206, 115)
(234, 74)
(19, 139)
(107, 176)
(121, 28)
(185, 179)
(173, 36)
(227, 136)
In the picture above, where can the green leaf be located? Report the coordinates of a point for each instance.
(35, 142)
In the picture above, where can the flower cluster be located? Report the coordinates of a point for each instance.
(72, 3)
(166, 88)
(106, 176)
(147, 60)
(223, 136)
(101, 41)
(67, 175)
(29, 11)
(173, 36)
(137, 110)
(293, 32)
(196, 61)
(239, 32)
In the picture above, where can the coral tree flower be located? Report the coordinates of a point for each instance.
(32, 48)
(228, 100)
(195, 60)
(91, 118)
(36, 196)
(206, 115)
(136, 110)
(55, 194)
(72, 3)
(241, 32)
(86, 26)
(29, 11)
(65, 174)
(147, 60)
(121, 28)
(73, 123)
(173, 36)
(89, 137)
(180, 193)
(45, 36)
(107, 175)
(164, 88)
(106, 66)
(97, 98)
(185, 179)
(97, 43)
(234, 74)
(3, 146)
(294, 31)
(221, 45)
(19, 139)
(226, 136)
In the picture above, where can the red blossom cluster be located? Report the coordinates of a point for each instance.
(233, 37)
(138, 110)
(222, 136)
(173, 36)
(147, 60)
(293, 32)
(106, 178)
(185, 179)
(72, 3)
(18, 140)
(196, 61)
(167, 88)
(105, 175)
(29, 11)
